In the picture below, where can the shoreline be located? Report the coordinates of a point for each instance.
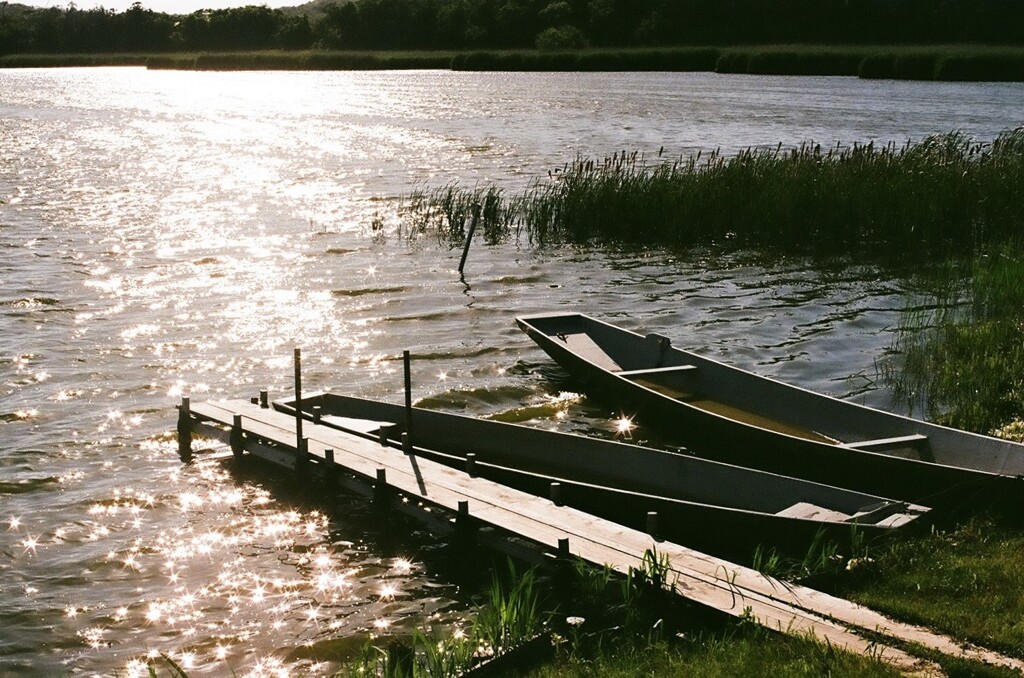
(948, 63)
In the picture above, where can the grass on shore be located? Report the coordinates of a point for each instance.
(967, 582)
(745, 650)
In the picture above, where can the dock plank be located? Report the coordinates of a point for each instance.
(726, 586)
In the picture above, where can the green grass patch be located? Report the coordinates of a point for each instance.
(968, 583)
(743, 651)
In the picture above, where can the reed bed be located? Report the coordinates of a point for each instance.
(930, 62)
(946, 193)
(962, 352)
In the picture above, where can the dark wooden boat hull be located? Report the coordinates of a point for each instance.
(700, 503)
(808, 435)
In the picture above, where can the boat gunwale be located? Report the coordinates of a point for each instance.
(912, 510)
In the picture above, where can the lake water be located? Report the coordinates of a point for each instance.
(166, 233)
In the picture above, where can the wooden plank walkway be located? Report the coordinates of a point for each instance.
(434, 493)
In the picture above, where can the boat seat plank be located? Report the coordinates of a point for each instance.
(582, 345)
(809, 511)
(367, 426)
(651, 371)
(912, 440)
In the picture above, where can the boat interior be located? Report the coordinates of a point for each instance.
(683, 382)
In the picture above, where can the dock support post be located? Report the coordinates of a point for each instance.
(264, 398)
(382, 435)
(652, 525)
(330, 470)
(406, 443)
(380, 489)
(471, 464)
(298, 399)
(556, 494)
(465, 530)
(302, 460)
(185, 430)
(317, 414)
(408, 393)
(236, 436)
(563, 570)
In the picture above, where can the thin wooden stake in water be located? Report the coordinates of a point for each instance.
(408, 395)
(469, 237)
(298, 400)
(185, 430)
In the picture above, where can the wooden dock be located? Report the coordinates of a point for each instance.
(527, 526)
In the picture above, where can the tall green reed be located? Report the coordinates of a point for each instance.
(945, 193)
(962, 350)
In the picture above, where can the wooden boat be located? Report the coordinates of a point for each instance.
(700, 503)
(730, 414)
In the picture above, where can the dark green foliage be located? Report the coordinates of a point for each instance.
(803, 62)
(549, 24)
(562, 37)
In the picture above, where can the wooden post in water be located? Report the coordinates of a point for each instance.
(185, 430)
(302, 461)
(471, 464)
(236, 436)
(298, 400)
(465, 529)
(408, 399)
(317, 414)
(381, 491)
(330, 470)
(264, 399)
(469, 237)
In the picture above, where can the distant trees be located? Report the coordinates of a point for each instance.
(549, 24)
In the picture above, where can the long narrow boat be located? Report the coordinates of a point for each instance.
(699, 503)
(730, 414)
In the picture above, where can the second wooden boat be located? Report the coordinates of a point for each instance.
(700, 503)
(731, 414)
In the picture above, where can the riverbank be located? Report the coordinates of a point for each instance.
(929, 62)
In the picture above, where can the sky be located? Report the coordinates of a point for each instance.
(166, 6)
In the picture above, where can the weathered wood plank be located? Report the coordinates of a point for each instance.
(726, 586)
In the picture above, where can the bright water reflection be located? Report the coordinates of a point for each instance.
(178, 233)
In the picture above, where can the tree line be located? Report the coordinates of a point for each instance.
(505, 24)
